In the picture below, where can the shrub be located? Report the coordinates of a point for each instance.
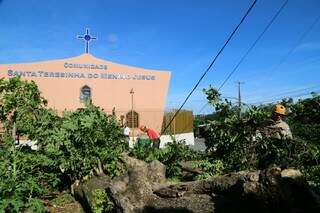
(210, 168)
(62, 199)
(71, 147)
(25, 176)
(171, 155)
(234, 140)
(87, 141)
(102, 202)
(144, 151)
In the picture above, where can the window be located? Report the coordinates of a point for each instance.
(132, 118)
(85, 93)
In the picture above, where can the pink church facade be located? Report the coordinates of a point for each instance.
(66, 82)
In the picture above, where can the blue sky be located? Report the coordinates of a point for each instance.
(177, 35)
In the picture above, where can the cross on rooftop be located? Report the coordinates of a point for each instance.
(87, 38)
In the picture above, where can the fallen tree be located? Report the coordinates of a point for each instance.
(144, 188)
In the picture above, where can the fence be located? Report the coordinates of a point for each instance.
(182, 123)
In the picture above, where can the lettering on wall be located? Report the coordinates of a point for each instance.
(75, 75)
(85, 66)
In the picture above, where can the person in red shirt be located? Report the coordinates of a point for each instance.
(153, 136)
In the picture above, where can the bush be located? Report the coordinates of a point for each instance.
(71, 147)
(62, 199)
(170, 156)
(86, 142)
(102, 202)
(25, 176)
(144, 151)
(210, 168)
(173, 154)
(233, 140)
(312, 174)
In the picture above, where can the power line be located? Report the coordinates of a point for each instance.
(308, 30)
(277, 99)
(203, 107)
(275, 95)
(249, 50)
(254, 44)
(246, 54)
(285, 93)
(251, 47)
(250, 100)
(271, 100)
(200, 100)
(206, 104)
(213, 61)
(304, 34)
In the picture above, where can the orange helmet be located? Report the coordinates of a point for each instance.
(280, 109)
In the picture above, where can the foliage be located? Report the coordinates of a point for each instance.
(35, 205)
(237, 142)
(62, 199)
(173, 154)
(210, 168)
(304, 121)
(71, 147)
(170, 156)
(102, 202)
(229, 138)
(25, 175)
(143, 150)
(304, 118)
(86, 141)
(312, 174)
(19, 100)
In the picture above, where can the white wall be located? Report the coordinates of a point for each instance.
(187, 137)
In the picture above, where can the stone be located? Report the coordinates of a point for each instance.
(291, 173)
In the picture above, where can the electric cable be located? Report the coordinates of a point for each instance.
(249, 50)
(283, 59)
(302, 37)
(211, 64)
(277, 99)
(254, 44)
(284, 93)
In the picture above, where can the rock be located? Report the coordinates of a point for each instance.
(291, 173)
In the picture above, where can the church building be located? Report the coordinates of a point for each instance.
(137, 95)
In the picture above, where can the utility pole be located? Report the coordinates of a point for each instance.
(239, 96)
(132, 118)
